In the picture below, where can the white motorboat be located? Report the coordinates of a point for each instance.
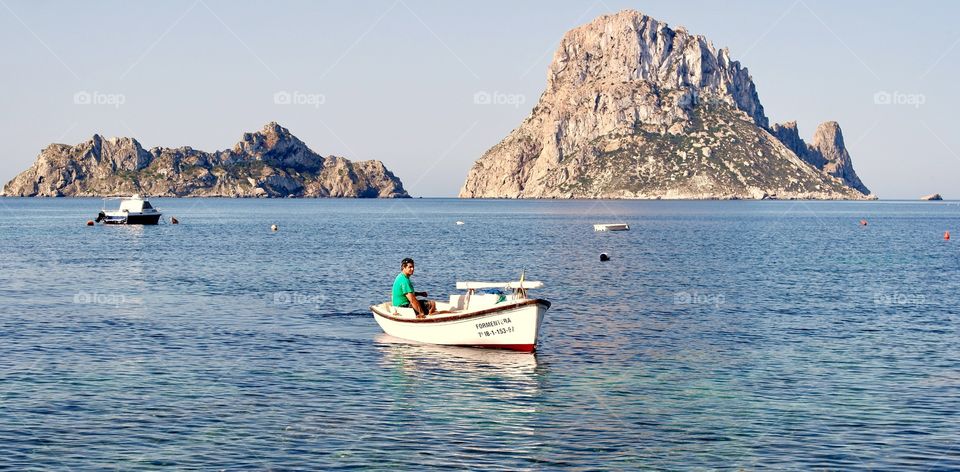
(611, 227)
(503, 321)
(133, 210)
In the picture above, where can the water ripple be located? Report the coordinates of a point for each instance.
(721, 335)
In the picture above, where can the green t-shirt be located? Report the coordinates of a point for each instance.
(401, 287)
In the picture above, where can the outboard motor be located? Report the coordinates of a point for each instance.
(101, 217)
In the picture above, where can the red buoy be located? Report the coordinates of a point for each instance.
(90, 223)
(946, 235)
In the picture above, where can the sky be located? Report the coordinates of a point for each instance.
(396, 80)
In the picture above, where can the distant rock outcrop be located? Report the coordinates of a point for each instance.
(269, 163)
(635, 109)
(932, 197)
(827, 152)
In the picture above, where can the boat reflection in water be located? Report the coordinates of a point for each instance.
(477, 403)
(506, 374)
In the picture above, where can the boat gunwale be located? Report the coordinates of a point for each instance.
(465, 316)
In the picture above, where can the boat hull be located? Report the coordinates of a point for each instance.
(514, 326)
(603, 227)
(133, 220)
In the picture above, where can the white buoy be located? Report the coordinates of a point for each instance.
(459, 223)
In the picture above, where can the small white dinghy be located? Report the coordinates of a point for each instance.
(503, 321)
(611, 227)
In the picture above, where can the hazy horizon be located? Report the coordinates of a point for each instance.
(396, 80)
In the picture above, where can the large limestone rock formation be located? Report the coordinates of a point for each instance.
(635, 109)
(827, 152)
(269, 163)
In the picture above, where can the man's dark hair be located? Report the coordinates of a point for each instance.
(405, 262)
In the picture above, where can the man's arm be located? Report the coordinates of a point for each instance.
(412, 298)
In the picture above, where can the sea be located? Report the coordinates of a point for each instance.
(720, 335)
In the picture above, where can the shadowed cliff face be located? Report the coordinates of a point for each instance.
(635, 109)
(268, 163)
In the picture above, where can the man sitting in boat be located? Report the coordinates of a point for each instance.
(403, 294)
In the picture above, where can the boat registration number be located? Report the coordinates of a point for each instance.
(494, 327)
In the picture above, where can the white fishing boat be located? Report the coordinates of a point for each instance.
(491, 320)
(133, 210)
(611, 227)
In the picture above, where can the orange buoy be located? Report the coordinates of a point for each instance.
(863, 222)
(946, 235)
(90, 223)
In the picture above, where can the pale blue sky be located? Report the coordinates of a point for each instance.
(397, 78)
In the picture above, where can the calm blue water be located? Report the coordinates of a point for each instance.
(721, 335)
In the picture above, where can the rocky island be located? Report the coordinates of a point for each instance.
(268, 163)
(636, 109)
